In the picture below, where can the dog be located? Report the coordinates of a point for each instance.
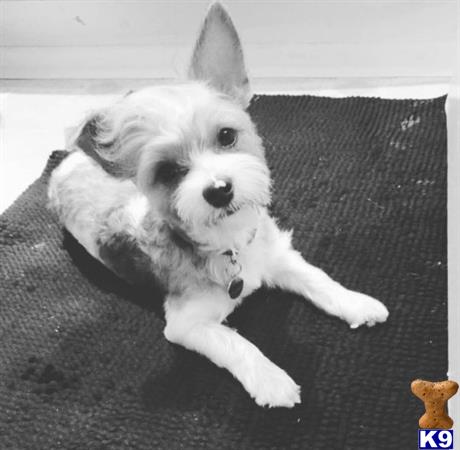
(172, 181)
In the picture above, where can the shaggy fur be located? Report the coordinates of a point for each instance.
(132, 193)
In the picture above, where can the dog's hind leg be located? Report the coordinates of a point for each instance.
(194, 322)
(288, 270)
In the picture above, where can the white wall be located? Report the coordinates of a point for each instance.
(152, 39)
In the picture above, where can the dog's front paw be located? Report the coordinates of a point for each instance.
(271, 386)
(360, 309)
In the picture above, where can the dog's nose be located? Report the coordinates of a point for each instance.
(219, 194)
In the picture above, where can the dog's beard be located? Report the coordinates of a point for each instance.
(232, 232)
(229, 227)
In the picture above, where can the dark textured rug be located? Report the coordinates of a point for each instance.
(84, 365)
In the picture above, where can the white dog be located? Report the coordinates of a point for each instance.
(173, 181)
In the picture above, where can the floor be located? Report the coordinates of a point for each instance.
(35, 115)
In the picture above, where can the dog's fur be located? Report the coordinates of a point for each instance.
(135, 180)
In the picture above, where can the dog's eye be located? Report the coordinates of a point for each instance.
(227, 137)
(168, 172)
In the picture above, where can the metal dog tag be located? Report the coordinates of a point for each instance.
(235, 287)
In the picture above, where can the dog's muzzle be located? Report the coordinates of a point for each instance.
(219, 194)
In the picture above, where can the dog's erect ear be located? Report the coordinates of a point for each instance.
(218, 56)
(95, 139)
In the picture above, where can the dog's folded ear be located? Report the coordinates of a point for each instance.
(218, 56)
(96, 139)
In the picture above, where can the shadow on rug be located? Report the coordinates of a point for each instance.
(84, 364)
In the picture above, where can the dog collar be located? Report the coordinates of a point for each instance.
(233, 253)
(235, 284)
(183, 239)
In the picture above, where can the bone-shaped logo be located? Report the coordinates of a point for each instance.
(435, 395)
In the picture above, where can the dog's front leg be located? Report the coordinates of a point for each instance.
(287, 269)
(195, 323)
